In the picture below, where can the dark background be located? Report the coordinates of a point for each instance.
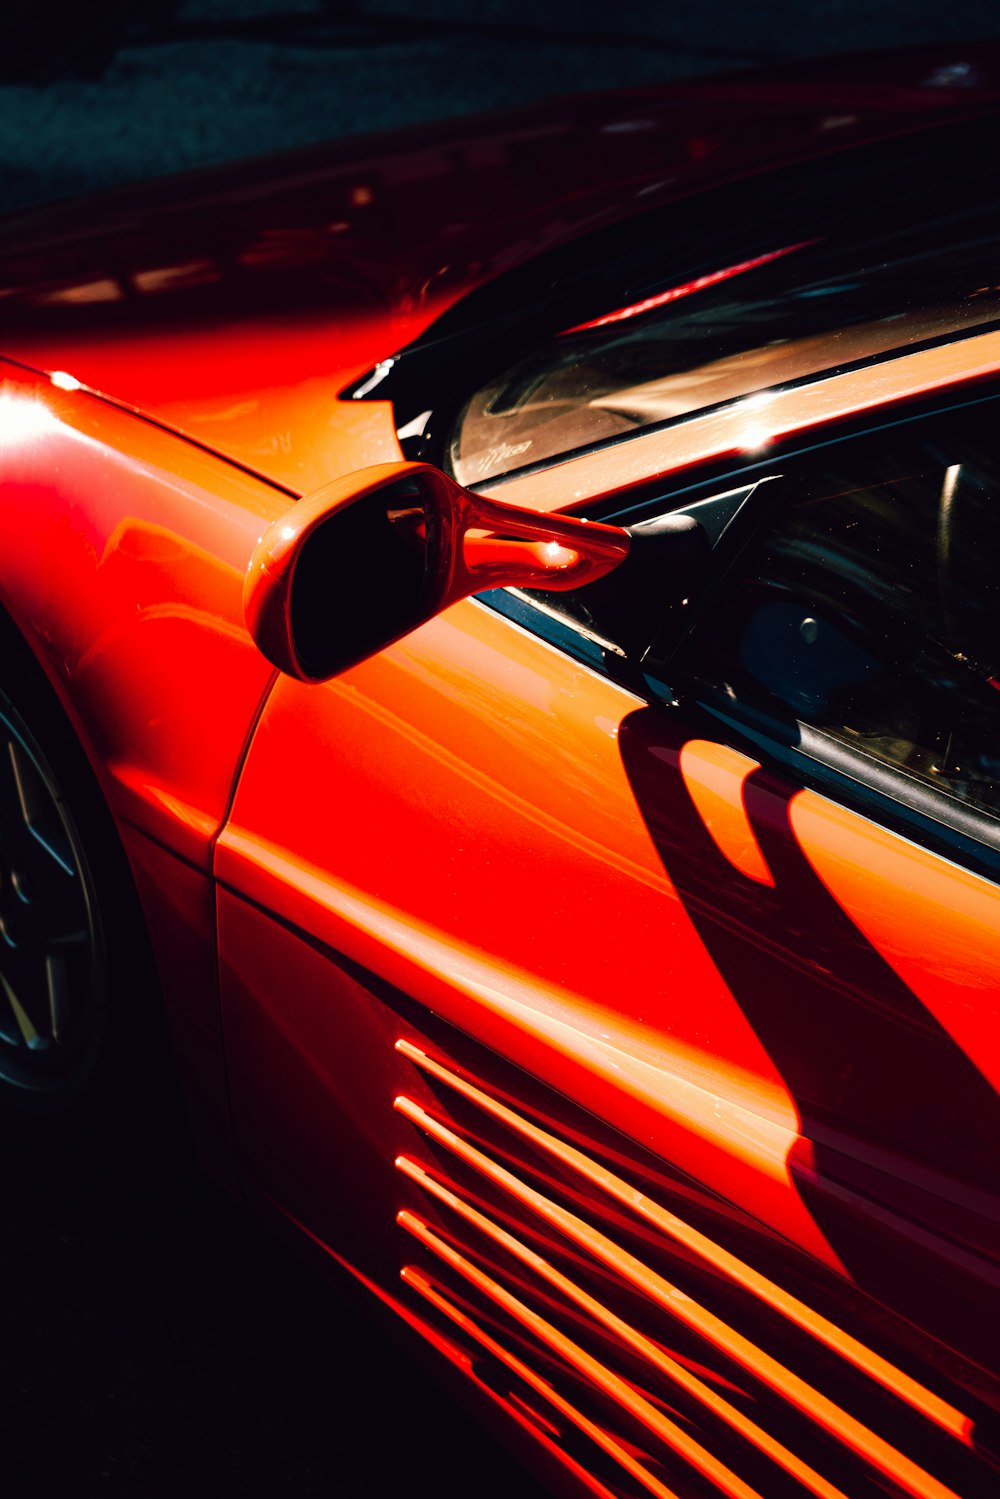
(155, 1342)
(92, 96)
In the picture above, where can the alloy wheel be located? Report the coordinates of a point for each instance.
(52, 1000)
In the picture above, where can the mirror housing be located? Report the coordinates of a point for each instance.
(365, 560)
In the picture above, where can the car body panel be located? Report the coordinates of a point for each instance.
(708, 958)
(557, 916)
(123, 570)
(553, 847)
(127, 552)
(179, 906)
(648, 1084)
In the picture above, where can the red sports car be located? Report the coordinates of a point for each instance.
(501, 647)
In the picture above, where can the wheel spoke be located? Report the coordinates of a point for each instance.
(35, 805)
(23, 971)
(29, 1035)
(57, 982)
(10, 801)
(29, 795)
(37, 981)
(10, 1031)
(48, 935)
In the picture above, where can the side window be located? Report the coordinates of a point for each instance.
(868, 608)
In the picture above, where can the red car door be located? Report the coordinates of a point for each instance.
(661, 1018)
(824, 795)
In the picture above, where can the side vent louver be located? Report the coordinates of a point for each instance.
(685, 1369)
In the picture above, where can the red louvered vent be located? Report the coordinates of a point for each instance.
(642, 1349)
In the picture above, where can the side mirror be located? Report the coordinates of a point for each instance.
(363, 561)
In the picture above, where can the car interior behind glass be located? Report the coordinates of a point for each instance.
(869, 608)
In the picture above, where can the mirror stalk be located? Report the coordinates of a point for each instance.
(632, 605)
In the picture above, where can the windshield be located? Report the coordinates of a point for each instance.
(782, 317)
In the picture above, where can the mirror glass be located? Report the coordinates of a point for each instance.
(363, 578)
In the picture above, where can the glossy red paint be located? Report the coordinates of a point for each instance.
(594, 1049)
(954, 969)
(564, 822)
(475, 730)
(674, 1371)
(673, 1227)
(567, 826)
(125, 562)
(625, 1459)
(668, 1431)
(129, 563)
(514, 1170)
(809, 1401)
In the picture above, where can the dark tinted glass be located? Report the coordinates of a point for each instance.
(775, 281)
(870, 608)
(359, 582)
(614, 381)
(744, 285)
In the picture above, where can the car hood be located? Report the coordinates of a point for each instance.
(235, 304)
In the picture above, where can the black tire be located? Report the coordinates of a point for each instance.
(85, 1083)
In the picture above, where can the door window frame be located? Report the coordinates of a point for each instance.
(886, 794)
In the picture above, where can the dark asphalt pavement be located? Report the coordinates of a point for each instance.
(161, 1346)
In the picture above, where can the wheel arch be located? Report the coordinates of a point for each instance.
(176, 937)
